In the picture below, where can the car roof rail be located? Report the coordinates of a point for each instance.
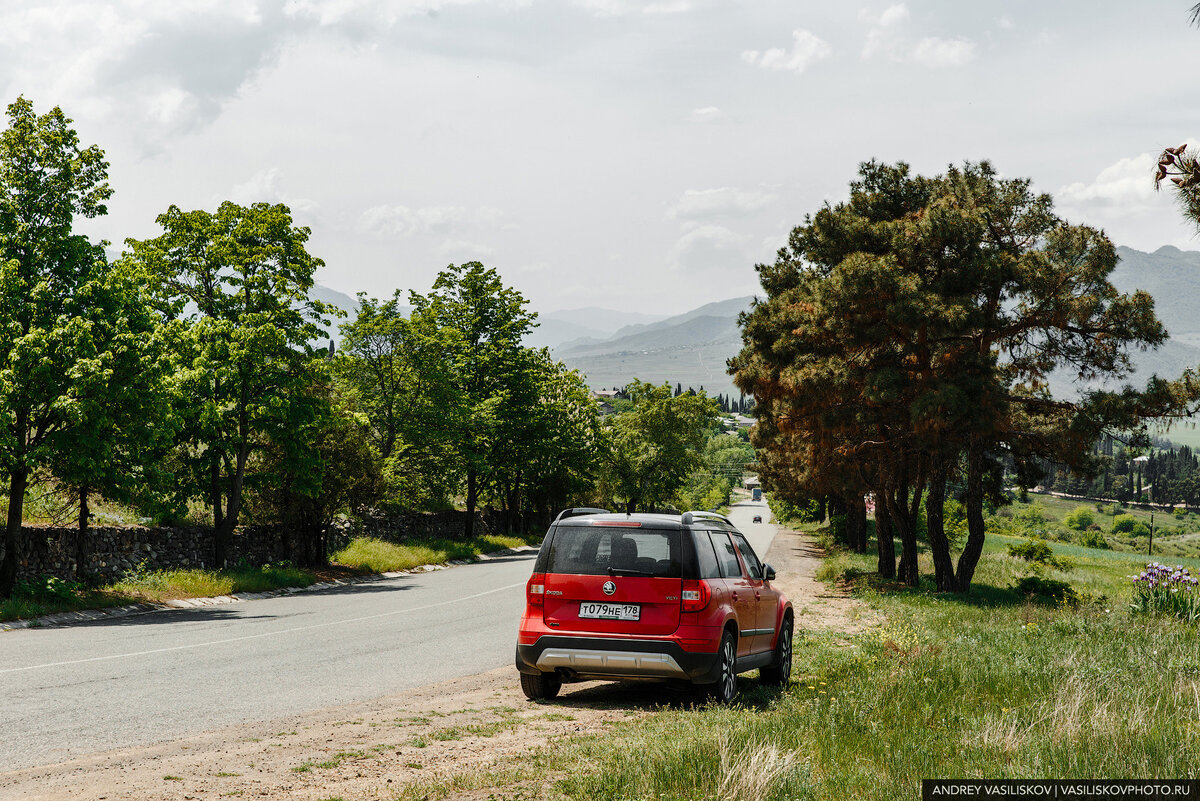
(580, 510)
(688, 517)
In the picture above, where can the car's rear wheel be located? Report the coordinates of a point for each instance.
(540, 686)
(780, 672)
(726, 687)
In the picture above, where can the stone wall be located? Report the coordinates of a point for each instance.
(114, 551)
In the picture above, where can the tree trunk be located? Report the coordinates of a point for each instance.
(821, 506)
(214, 492)
(81, 536)
(858, 511)
(939, 546)
(13, 544)
(469, 523)
(975, 528)
(904, 518)
(884, 542)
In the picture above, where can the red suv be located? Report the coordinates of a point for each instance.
(650, 596)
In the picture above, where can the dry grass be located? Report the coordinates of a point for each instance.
(753, 772)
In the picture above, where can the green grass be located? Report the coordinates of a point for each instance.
(378, 556)
(53, 595)
(161, 585)
(155, 586)
(990, 685)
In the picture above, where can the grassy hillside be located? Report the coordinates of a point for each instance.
(1176, 534)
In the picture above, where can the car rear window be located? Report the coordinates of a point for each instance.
(706, 558)
(593, 550)
(726, 556)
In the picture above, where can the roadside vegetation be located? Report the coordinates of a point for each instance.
(362, 555)
(1014, 680)
(377, 556)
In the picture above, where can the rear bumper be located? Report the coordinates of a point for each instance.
(613, 658)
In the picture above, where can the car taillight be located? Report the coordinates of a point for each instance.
(535, 590)
(695, 596)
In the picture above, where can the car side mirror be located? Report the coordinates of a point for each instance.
(768, 573)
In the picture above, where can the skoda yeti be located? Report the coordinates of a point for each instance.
(649, 596)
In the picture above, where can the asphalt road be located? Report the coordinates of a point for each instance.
(67, 692)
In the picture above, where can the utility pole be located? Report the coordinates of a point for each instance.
(1150, 551)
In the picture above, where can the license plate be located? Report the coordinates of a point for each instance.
(610, 611)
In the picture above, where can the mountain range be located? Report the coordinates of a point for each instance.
(611, 347)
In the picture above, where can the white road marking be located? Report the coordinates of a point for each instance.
(258, 636)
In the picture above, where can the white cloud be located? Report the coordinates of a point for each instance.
(461, 250)
(709, 248)
(807, 49)
(706, 114)
(888, 36)
(160, 70)
(892, 15)
(620, 8)
(726, 201)
(1005, 24)
(402, 221)
(263, 187)
(1127, 184)
(933, 51)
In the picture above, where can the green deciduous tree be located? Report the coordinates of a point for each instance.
(234, 285)
(546, 439)
(49, 279)
(399, 373)
(655, 446)
(121, 421)
(484, 322)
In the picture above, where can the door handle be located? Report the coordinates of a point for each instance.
(735, 595)
(757, 596)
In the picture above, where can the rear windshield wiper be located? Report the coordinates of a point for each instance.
(621, 571)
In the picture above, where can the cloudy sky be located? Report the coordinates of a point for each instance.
(631, 154)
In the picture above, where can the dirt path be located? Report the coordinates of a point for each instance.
(462, 731)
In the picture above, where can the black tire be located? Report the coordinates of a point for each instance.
(779, 672)
(540, 686)
(725, 690)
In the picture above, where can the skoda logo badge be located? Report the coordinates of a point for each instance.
(609, 588)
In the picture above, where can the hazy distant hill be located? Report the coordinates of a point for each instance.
(1172, 277)
(339, 299)
(721, 308)
(604, 321)
(689, 349)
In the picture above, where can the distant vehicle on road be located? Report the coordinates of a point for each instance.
(756, 494)
(650, 596)
(757, 519)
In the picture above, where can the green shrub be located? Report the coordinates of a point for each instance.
(47, 588)
(1093, 538)
(1038, 552)
(1180, 513)
(1124, 524)
(1079, 519)
(1032, 551)
(1034, 513)
(1044, 589)
(954, 516)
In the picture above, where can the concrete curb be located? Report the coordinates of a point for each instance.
(61, 619)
